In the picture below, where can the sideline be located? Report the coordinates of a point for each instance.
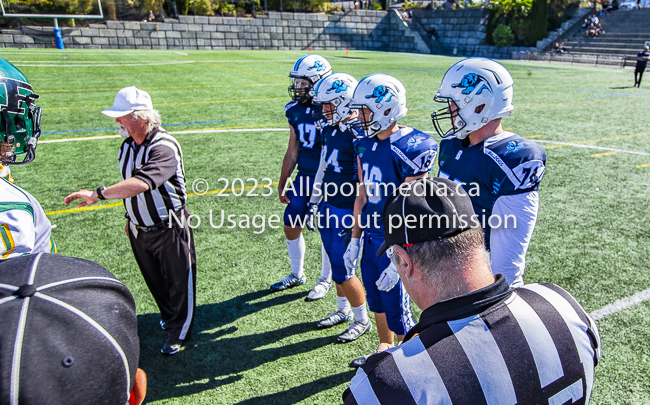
(197, 131)
(620, 305)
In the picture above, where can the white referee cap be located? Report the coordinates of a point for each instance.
(127, 100)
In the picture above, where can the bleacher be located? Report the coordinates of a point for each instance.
(625, 34)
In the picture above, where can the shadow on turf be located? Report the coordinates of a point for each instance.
(297, 394)
(212, 358)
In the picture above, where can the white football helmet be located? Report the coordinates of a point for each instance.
(482, 91)
(336, 89)
(385, 97)
(311, 68)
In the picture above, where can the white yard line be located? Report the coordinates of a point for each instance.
(197, 131)
(620, 305)
(209, 131)
(633, 152)
(97, 64)
(593, 147)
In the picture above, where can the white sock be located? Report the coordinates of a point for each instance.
(361, 314)
(326, 266)
(344, 304)
(296, 250)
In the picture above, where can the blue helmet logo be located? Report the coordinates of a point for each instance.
(380, 92)
(471, 81)
(338, 86)
(318, 65)
(513, 147)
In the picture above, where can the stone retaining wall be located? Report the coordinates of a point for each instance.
(462, 32)
(458, 32)
(357, 29)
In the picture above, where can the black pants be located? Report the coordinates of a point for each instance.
(167, 260)
(639, 72)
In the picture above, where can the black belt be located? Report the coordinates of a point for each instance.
(160, 225)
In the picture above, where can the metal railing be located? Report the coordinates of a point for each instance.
(588, 59)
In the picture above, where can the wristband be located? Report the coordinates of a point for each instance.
(100, 191)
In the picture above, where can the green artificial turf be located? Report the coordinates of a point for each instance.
(255, 347)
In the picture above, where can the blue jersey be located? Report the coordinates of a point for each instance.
(386, 165)
(505, 164)
(302, 122)
(341, 170)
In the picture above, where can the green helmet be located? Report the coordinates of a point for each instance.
(19, 117)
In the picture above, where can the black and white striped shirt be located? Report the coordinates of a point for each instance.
(531, 345)
(158, 161)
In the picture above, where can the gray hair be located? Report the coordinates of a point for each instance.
(151, 116)
(437, 258)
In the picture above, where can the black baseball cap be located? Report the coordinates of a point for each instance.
(426, 209)
(69, 333)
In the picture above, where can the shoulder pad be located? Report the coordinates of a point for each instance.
(289, 105)
(513, 147)
(522, 160)
(414, 142)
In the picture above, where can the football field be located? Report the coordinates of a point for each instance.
(226, 108)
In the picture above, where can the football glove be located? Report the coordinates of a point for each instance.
(351, 255)
(388, 277)
(312, 211)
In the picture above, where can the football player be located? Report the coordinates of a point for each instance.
(304, 150)
(336, 182)
(387, 156)
(500, 170)
(24, 228)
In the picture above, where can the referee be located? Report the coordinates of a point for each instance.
(153, 188)
(478, 341)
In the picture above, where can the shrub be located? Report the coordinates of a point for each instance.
(503, 36)
(204, 7)
(226, 8)
(410, 5)
(183, 6)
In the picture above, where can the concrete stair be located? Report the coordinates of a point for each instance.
(625, 35)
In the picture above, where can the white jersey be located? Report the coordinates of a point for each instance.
(24, 228)
(5, 173)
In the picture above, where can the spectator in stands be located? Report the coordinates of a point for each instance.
(432, 32)
(559, 47)
(152, 17)
(594, 29)
(641, 63)
(448, 5)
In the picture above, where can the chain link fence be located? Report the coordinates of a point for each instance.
(587, 59)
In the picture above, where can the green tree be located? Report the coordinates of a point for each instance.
(503, 36)
(538, 22)
(183, 6)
